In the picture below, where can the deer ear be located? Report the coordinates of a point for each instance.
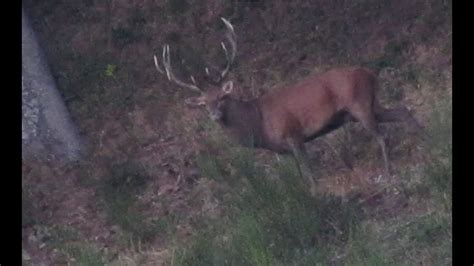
(227, 87)
(195, 101)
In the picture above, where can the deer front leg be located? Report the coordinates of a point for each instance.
(302, 161)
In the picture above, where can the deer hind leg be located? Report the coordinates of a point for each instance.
(367, 118)
(346, 152)
(302, 161)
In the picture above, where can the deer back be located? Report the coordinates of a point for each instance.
(305, 109)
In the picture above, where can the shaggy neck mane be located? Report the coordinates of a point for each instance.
(243, 121)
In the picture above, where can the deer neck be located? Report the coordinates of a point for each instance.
(243, 121)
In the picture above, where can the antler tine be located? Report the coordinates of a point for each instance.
(157, 66)
(166, 61)
(230, 56)
(231, 38)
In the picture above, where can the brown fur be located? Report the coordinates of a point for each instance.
(314, 106)
(287, 118)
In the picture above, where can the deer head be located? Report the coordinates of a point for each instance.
(214, 98)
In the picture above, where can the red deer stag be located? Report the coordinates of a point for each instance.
(284, 120)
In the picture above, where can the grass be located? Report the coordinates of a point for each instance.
(270, 222)
(71, 246)
(426, 235)
(270, 219)
(363, 249)
(413, 238)
(438, 171)
(84, 254)
(118, 192)
(29, 209)
(178, 6)
(85, 88)
(124, 36)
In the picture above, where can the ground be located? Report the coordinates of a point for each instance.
(159, 174)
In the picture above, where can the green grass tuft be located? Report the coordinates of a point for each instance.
(438, 171)
(84, 254)
(271, 222)
(118, 191)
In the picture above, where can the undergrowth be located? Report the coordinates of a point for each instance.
(119, 190)
(269, 221)
(438, 170)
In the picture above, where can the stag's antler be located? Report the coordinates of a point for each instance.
(231, 37)
(230, 55)
(169, 71)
